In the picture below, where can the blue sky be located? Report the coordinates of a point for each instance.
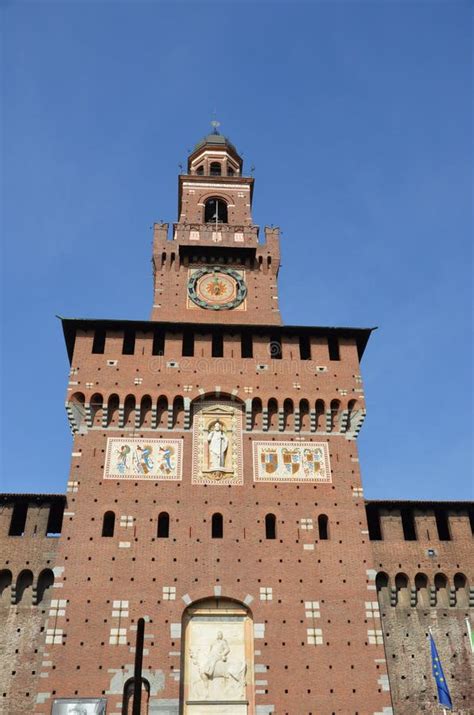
(357, 118)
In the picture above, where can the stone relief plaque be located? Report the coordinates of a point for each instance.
(291, 462)
(154, 459)
(79, 706)
(217, 443)
(216, 668)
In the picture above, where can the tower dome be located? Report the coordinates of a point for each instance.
(215, 155)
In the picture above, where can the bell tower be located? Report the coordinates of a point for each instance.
(214, 263)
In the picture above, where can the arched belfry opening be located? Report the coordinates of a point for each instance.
(215, 210)
(217, 658)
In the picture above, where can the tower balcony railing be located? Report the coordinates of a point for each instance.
(212, 233)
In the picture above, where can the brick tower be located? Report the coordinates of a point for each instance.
(215, 492)
(215, 488)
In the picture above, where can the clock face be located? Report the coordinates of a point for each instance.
(217, 288)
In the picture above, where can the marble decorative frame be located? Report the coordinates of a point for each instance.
(151, 459)
(205, 468)
(79, 706)
(291, 462)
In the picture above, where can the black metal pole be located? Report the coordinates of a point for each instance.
(137, 675)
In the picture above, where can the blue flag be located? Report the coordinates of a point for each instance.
(444, 697)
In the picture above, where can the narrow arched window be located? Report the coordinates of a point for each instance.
(441, 587)
(215, 211)
(381, 584)
(217, 526)
(108, 523)
(163, 525)
(461, 590)
(402, 589)
(323, 527)
(5, 586)
(230, 171)
(24, 585)
(270, 526)
(200, 170)
(45, 582)
(215, 168)
(422, 592)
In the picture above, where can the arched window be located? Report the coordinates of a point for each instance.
(128, 690)
(323, 527)
(335, 414)
(200, 170)
(304, 416)
(288, 414)
(215, 168)
(383, 593)
(422, 593)
(97, 409)
(256, 413)
(320, 409)
(270, 526)
(24, 585)
(45, 582)
(77, 409)
(230, 171)
(113, 406)
(215, 211)
(441, 586)
(129, 410)
(163, 525)
(217, 529)
(161, 412)
(108, 523)
(5, 586)
(461, 590)
(351, 413)
(178, 411)
(403, 593)
(145, 411)
(272, 414)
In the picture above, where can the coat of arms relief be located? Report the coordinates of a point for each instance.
(217, 443)
(291, 462)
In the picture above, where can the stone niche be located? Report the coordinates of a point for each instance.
(218, 659)
(217, 443)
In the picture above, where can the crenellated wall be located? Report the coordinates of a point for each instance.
(422, 555)
(30, 525)
(148, 379)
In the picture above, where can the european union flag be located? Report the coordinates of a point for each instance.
(444, 697)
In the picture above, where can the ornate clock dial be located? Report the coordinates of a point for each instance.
(217, 288)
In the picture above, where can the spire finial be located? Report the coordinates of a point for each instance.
(215, 125)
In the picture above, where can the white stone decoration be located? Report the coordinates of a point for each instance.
(216, 663)
(217, 443)
(79, 706)
(291, 462)
(152, 459)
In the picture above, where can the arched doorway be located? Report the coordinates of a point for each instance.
(217, 658)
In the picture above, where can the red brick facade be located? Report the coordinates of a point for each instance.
(302, 560)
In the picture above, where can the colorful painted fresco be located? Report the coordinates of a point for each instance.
(154, 459)
(291, 462)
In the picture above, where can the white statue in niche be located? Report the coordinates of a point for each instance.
(218, 444)
(218, 676)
